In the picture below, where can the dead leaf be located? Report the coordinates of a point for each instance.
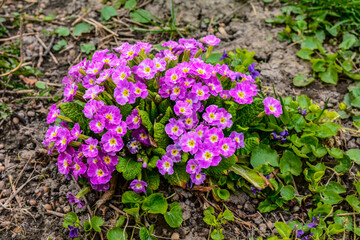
(268, 184)
(203, 188)
(27, 80)
(17, 230)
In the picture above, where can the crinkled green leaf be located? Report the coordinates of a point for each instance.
(288, 192)
(107, 12)
(174, 216)
(117, 234)
(263, 154)
(155, 203)
(145, 120)
(224, 165)
(152, 178)
(81, 28)
(129, 168)
(301, 80)
(131, 197)
(96, 223)
(180, 177)
(283, 229)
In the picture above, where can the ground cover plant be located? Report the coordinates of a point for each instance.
(294, 178)
(189, 117)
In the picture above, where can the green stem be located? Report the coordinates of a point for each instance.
(66, 119)
(208, 52)
(82, 192)
(262, 114)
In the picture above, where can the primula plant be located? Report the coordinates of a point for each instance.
(183, 115)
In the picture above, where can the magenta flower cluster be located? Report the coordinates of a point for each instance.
(122, 76)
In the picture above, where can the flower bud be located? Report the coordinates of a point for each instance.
(342, 106)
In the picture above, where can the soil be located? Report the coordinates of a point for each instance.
(24, 159)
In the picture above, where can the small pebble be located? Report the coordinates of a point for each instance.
(46, 189)
(262, 227)
(32, 202)
(72, 52)
(2, 168)
(66, 209)
(38, 194)
(16, 120)
(31, 47)
(175, 236)
(2, 185)
(47, 206)
(31, 114)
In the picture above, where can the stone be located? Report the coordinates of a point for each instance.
(175, 236)
(262, 227)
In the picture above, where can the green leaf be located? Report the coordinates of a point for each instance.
(49, 18)
(354, 202)
(81, 28)
(174, 216)
(354, 154)
(356, 102)
(290, 163)
(210, 220)
(161, 136)
(60, 45)
(164, 120)
(130, 4)
(336, 187)
(305, 53)
(73, 111)
(87, 48)
(87, 226)
(117, 234)
(297, 121)
(62, 31)
(283, 229)
(213, 58)
(120, 221)
(180, 177)
(301, 80)
(145, 235)
(155, 203)
(154, 112)
(228, 215)
(107, 12)
(263, 154)
(335, 152)
(131, 197)
(129, 167)
(145, 119)
(223, 193)
(309, 43)
(141, 16)
(330, 76)
(318, 65)
(249, 175)
(335, 228)
(288, 192)
(328, 129)
(96, 223)
(40, 85)
(224, 165)
(267, 206)
(69, 219)
(217, 234)
(348, 41)
(330, 197)
(347, 65)
(151, 178)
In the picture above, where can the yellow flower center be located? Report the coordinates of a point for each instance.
(214, 138)
(122, 76)
(198, 176)
(185, 70)
(158, 65)
(193, 167)
(92, 147)
(174, 77)
(176, 90)
(65, 163)
(143, 136)
(138, 90)
(222, 120)
(241, 94)
(138, 185)
(131, 53)
(77, 167)
(96, 160)
(63, 141)
(126, 92)
(133, 144)
(200, 133)
(95, 70)
(237, 139)
(175, 129)
(201, 71)
(200, 93)
(107, 159)
(99, 124)
(167, 164)
(136, 119)
(107, 60)
(191, 143)
(112, 141)
(188, 121)
(119, 130)
(109, 116)
(212, 115)
(147, 70)
(225, 147)
(100, 172)
(182, 110)
(271, 108)
(174, 152)
(72, 91)
(208, 155)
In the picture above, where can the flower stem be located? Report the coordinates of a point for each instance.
(208, 52)
(82, 192)
(66, 119)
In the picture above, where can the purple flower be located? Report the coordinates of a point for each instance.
(173, 75)
(213, 136)
(174, 152)
(146, 69)
(100, 187)
(211, 115)
(224, 121)
(78, 168)
(64, 161)
(92, 107)
(272, 106)
(133, 145)
(192, 167)
(75, 132)
(133, 121)
(276, 136)
(314, 223)
(111, 142)
(73, 199)
(201, 131)
(182, 108)
(207, 156)
(124, 93)
(214, 85)
(73, 231)
(111, 115)
(160, 64)
(97, 124)
(54, 112)
(138, 186)
(255, 190)
(190, 121)
(190, 142)
(120, 74)
(165, 165)
(238, 139)
(302, 111)
(224, 56)
(142, 136)
(227, 147)
(90, 150)
(92, 93)
(201, 91)
(109, 160)
(244, 92)
(211, 40)
(98, 173)
(94, 68)
(63, 139)
(174, 128)
(299, 233)
(198, 178)
(146, 47)
(140, 90)
(69, 92)
(121, 129)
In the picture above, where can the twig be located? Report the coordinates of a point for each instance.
(282, 218)
(81, 17)
(18, 190)
(117, 209)
(85, 199)
(41, 52)
(17, 92)
(21, 50)
(14, 190)
(44, 46)
(253, 7)
(96, 23)
(143, 4)
(2, 3)
(47, 50)
(22, 171)
(56, 213)
(24, 98)
(15, 37)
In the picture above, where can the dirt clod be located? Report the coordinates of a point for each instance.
(48, 206)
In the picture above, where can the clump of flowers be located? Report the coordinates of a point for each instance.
(141, 112)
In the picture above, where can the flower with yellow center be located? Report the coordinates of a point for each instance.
(174, 77)
(65, 163)
(112, 141)
(201, 71)
(214, 138)
(100, 172)
(92, 147)
(126, 92)
(109, 116)
(176, 90)
(207, 155)
(63, 141)
(271, 108)
(174, 152)
(98, 124)
(122, 76)
(91, 81)
(191, 143)
(200, 93)
(77, 167)
(143, 136)
(119, 130)
(175, 129)
(107, 159)
(147, 70)
(188, 121)
(136, 119)
(138, 91)
(131, 53)
(138, 185)
(241, 94)
(225, 147)
(222, 120)
(212, 115)
(182, 110)
(167, 164)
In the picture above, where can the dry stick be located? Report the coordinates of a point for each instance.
(85, 199)
(15, 37)
(117, 209)
(41, 52)
(143, 4)
(81, 17)
(96, 23)
(44, 46)
(17, 92)
(14, 190)
(21, 51)
(253, 7)
(47, 50)
(56, 213)
(18, 190)
(22, 171)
